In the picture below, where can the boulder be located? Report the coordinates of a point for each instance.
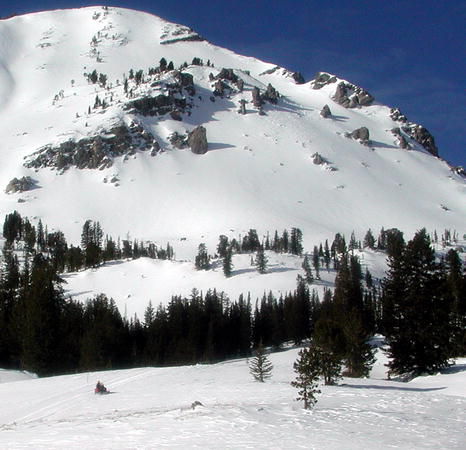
(271, 94)
(197, 140)
(322, 79)
(298, 78)
(256, 97)
(325, 112)
(360, 134)
(20, 185)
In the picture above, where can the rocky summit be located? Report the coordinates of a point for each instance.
(201, 141)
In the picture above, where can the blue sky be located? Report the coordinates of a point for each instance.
(408, 53)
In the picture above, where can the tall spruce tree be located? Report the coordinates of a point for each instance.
(308, 370)
(261, 260)
(260, 366)
(417, 328)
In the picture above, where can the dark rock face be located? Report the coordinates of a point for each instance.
(417, 132)
(360, 134)
(271, 94)
(422, 136)
(20, 185)
(256, 97)
(178, 140)
(219, 88)
(176, 115)
(351, 96)
(95, 152)
(158, 105)
(186, 81)
(227, 74)
(197, 140)
(459, 170)
(397, 116)
(322, 79)
(401, 140)
(318, 159)
(242, 107)
(325, 112)
(298, 78)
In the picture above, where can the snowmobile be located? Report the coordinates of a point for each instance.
(101, 389)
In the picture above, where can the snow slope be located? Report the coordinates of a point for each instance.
(132, 284)
(258, 172)
(151, 408)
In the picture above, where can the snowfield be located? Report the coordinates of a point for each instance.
(132, 284)
(151, 408)
(258, 172)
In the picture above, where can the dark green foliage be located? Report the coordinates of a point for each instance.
(202, 260)
(308, 370)
(260, 366)
(369, 240)
(227, 263)
(308, 276)
(416, 309)
(296, 246)
(261, 261)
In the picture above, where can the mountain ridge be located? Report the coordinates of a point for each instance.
(259, 170)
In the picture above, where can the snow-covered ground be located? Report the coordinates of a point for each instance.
(151, 408)
(132, 284)
(258, 172)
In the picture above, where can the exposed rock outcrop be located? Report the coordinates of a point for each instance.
(178, 140)
(351, 96)
(178, 33)
(360, 134)
(322, 79)
(422, 136)
(197, 140)
(271, 94)
(401, 140)
(158, 105)
(256, 97)
(416, 132)
(95, 152)
(298, 78)
(20, 185)
(325, 112)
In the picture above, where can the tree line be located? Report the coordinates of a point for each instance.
(420, 307)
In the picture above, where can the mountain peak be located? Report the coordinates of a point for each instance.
(98, 94)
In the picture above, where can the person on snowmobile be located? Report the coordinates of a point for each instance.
(100, 388)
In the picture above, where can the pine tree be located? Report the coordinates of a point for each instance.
(227, 263)
(261, 261)
(308, 370)
(202, 260)
(316, 261)
(369, 240)
(418, 328)
(308, 276)
(260, 366)
(296, 246)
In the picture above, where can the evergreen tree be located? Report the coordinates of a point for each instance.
(369, 240)
(308, 276)
(227, 263)
(296, 246)
(202, 260)
(308, 370)
(418, 328)
(260, 366)
(316, 261)
(261, 261)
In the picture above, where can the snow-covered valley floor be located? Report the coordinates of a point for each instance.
(151, 408)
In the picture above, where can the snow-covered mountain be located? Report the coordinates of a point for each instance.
(105, 149)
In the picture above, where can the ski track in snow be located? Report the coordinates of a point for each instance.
(151, 408)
